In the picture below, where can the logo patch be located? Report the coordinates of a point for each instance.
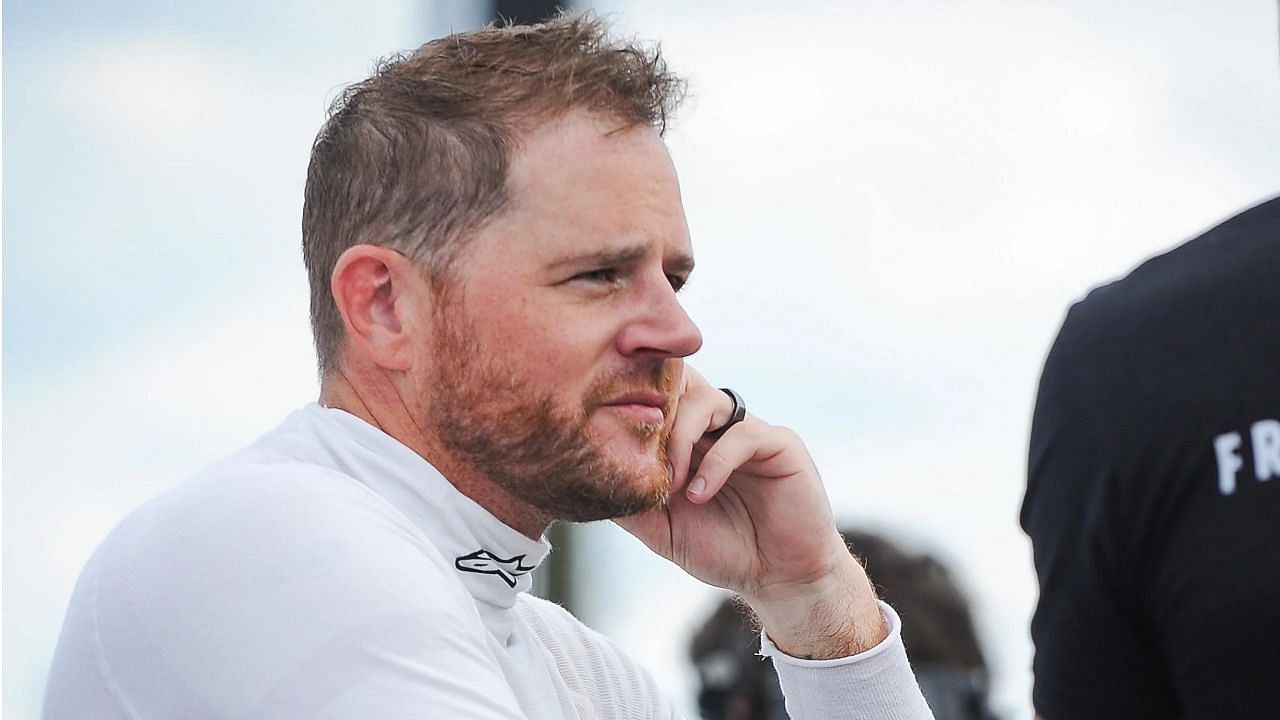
(484, 562)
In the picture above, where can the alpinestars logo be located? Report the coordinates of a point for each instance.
(486, 563)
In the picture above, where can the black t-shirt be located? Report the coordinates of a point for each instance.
(1153, 494)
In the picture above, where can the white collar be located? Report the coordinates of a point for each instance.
(493, 560)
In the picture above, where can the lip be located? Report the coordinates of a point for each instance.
(648, 407)
(651, 399)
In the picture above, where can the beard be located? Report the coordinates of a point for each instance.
(534, 447)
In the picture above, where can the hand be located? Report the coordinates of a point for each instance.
(748, 513)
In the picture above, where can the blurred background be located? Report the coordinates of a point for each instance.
(892, 204)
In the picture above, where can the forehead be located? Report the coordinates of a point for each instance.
(584, 182)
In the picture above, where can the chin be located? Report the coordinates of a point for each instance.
(650, 489)
(622, 484)
(644, 460)
(646, 464)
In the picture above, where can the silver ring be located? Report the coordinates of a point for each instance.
(736, 415)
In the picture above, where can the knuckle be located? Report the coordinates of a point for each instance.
(704, 390)
(714, 458)
(756, 429)
(787, 434)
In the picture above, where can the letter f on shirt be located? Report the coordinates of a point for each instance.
(1227, 447)
(1265, 439)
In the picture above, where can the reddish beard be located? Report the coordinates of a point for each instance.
(487, 413)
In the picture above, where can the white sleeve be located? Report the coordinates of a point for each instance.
(273, 597)
(873, 685)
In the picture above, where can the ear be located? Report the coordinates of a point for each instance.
(382, 297)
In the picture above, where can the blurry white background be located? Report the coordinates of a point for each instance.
(892, 205)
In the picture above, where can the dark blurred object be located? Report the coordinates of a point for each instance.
(527, 12)
(940, 629)
(937, 630)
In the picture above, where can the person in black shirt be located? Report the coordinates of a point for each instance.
(1153, 493)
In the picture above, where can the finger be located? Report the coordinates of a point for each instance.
(689, 406)
(699, 449)
(702, 408)
(742, 442)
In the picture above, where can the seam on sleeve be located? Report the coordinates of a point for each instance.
(100, 656)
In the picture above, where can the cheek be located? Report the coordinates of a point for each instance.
(556, 343)
(552, 346)
(569, 356)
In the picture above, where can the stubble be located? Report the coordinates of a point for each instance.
(533, 446)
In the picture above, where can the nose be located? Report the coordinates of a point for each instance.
(659, 326)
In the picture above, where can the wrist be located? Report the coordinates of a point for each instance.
(832, 616)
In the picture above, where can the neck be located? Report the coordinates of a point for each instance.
(377, 401)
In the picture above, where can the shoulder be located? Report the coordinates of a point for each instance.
(251, 571)
(247, 521)
(1242, 245)
(1198, 284)
(1187, 327)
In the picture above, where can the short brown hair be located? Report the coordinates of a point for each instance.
(415, 157)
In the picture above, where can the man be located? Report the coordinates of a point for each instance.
(495, 240)
(1153, 490)
(1153, 493)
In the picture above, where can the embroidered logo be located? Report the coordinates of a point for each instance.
(486, 563)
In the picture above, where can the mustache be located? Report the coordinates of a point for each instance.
(661, 377)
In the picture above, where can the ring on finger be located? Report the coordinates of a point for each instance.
(736, 415)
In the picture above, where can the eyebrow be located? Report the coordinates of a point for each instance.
(623, 256)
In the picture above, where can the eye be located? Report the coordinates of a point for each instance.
(606, 276)
(677, 281)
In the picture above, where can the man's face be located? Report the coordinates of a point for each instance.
(558, 347)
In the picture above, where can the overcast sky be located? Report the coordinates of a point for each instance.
(892, 205)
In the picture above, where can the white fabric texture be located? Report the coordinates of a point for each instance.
(328, 571)
(874, 685)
